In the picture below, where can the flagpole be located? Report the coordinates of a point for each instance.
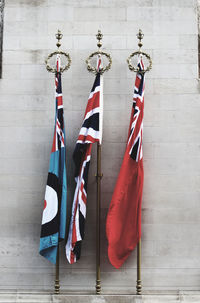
(139, 281)
(57, 280)
(99, 174)
(98, 220)
(54, 70)
(140, 36)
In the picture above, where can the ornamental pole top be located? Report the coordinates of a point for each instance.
(59, 36)
(140, 36)
(99, 52)
(51, 69)
(99, 36)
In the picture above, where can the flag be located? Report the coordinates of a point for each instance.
(123, 225)
(54, 213)
(91, 132)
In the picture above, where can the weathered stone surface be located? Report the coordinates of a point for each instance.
(170, 215)
(81, 298)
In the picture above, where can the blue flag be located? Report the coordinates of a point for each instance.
(55, 202)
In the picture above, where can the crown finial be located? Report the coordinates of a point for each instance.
(140, 36)
(59, 36)
(138, 53)
(99, 38)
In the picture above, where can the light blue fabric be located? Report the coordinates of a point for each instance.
(49, 244)
(54, 163)
(54, 168)
(57, 166)
(49, 247)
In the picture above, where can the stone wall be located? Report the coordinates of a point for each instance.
(171, 210)
(1, 33)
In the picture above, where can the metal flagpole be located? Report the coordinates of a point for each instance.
(99, 174)
(54, 70)
(57, 280)
(98, 220)
(139, 281)
(140, 36)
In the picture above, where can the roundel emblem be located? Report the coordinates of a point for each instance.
(50, 205)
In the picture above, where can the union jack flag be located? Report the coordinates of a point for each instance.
(123, 225)
(136, 125)
(54, 213)
(91, 132)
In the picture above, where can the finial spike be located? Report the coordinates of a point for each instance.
(59, 36)
(140, 36)
(99, 38)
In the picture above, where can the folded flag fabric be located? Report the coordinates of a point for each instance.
(54, 213)
(91, 132)
(123, 225)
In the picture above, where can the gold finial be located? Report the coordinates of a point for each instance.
(59, 36)
(140, 36)
(99, 38)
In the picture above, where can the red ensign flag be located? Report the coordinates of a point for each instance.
(123, 226)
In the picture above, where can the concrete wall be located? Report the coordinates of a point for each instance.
(1, 33)
(171, 211)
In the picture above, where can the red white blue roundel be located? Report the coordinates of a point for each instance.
(50, 220)
(50, 205)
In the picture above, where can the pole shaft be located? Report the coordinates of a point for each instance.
(139, 281)
(98, 216)
(57, 281)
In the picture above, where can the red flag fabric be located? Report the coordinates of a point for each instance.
(123, 226)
